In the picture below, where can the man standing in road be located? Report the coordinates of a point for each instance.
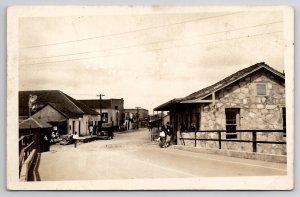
(75, 138)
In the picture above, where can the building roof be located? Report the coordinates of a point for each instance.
(62, 102)
(33, 124)
(167, 105)
(95, 103)
(220, 85)
(134, 109)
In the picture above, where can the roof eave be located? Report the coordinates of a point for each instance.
(168, 105)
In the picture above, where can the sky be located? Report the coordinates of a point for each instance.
(147, 59)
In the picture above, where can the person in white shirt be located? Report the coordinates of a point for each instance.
(75, 138)
(162, 137)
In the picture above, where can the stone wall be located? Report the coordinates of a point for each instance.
(255, 112)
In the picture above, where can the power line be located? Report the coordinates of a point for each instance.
(132, 31)
(172, 47)
(156, 42)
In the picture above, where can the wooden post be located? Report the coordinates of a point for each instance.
(254, 141)
(220, 145)
(195, 138)
(214, 98)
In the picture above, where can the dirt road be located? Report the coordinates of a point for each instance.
(130, 155)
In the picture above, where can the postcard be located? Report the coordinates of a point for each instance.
(150, 98)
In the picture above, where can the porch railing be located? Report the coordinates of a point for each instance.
(254, 140)
(26, 149)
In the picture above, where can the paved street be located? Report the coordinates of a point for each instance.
(130, 155)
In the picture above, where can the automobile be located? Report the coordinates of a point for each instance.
(106, 134)
(66, 139)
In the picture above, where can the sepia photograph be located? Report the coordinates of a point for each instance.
(150, 98)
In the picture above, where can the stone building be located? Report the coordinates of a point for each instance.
(64, 113)
(250, 99)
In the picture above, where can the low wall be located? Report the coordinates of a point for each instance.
(268, 149)
(238, 154)
(27, 166)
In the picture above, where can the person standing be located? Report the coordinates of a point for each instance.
(162, 137)
(45, 143)
(75, 138)
(91, 129)
(169, 132)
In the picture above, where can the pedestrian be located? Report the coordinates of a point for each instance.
(95, 129)
(91, 129)
(162, 137)
(52, 140)
(169, 132)
(45, 143)
(75, 138)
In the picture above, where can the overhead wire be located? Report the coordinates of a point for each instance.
(151, 50)
(151, 43)
(131, 31)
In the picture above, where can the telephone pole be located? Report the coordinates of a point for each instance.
(100, 108)
(137, 116)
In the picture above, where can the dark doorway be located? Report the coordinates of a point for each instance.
(284, 121)
(73, 126)
(232, 120)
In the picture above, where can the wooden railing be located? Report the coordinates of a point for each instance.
(26, 151)
(254, 140)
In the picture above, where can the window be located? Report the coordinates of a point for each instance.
(232, 120)
(261, 89)
(116, 107)
(104, 117)
(284, 121)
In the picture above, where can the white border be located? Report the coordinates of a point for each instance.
(204, 183)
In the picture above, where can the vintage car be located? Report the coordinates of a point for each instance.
(66, 139)
(105, 134)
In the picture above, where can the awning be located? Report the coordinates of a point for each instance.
(33, 124)
(168, 105)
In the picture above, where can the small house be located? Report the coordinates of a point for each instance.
(246, 111)
(64, 113)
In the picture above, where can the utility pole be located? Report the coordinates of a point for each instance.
(100, 108)
(31, 100)
(137, 116)
(29, 111)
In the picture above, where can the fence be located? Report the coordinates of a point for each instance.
(26, 155)
(254, 140)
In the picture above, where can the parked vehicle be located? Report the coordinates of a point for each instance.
(105, 134)
(66, 139)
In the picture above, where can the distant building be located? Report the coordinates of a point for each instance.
(112, 110)
(252, 99)
(64, 113)
(134, 115)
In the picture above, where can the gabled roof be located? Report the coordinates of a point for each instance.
(62, 102)
(230, 79)
(220, 85)
(33, 124)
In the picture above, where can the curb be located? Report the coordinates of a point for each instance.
(238, 154)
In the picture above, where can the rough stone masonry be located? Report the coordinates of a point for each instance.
(255, 112)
